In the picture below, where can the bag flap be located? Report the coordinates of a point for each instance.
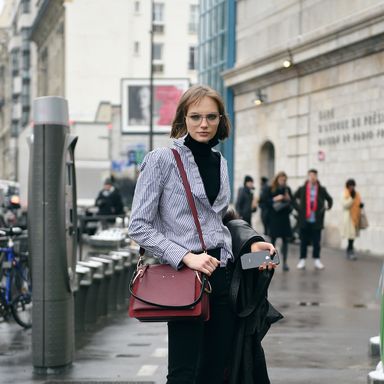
(161, 284)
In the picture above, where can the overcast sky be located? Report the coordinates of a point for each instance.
(1, 5)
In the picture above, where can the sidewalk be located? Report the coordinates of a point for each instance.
(329, 317)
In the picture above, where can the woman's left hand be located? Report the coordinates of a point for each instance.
(264, 246)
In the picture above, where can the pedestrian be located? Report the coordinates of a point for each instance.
(279, 200)
(352, 205)
(109, 200)
(311, 200)
(162, 223)
(263, 205)
(245, 205)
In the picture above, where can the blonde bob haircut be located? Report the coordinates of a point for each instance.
(193, 96)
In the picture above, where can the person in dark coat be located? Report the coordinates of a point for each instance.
(263, 204)
(279, 201)
(109, 200)
(248, 299)
(311, 201)
(244, 203)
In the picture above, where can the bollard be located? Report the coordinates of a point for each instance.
(376, 377)
(118, 267)
(49, 238)
(123, 288)
(119, 276)
(84, 282)
(102, 305)
(374, 346)
(94, 292)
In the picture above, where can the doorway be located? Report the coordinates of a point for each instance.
(267, 160)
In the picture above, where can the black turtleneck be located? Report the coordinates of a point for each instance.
(208, 163)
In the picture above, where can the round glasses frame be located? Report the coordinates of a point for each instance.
(211, 118)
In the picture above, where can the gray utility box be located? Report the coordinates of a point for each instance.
(52, 234)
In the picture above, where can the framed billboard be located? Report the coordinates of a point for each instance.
(135, 103)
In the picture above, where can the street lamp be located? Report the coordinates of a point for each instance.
(288, 62)
(260, 97)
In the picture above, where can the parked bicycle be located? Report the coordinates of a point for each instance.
(15, 281)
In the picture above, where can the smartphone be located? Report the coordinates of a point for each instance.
(255, 259)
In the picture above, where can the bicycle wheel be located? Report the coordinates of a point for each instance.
(22, 310)
(4, 309)
(21, 280)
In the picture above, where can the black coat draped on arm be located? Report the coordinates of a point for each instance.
(248, 299)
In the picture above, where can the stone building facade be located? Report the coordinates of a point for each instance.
(309, 94)
(15, 22)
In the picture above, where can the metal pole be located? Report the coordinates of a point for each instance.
(151, 83)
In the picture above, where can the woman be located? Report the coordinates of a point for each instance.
(279, 201)
(351, 202)
(162, 223)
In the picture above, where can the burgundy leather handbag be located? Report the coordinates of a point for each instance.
(160, 293)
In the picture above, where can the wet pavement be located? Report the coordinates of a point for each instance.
(329, 317)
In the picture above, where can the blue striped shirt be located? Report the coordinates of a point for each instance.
(161, 220)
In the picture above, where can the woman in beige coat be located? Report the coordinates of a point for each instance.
(352, 205)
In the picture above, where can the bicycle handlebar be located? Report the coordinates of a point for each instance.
(12, 231)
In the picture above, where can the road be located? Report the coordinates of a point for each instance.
(329, 317)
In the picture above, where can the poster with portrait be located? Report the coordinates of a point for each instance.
(135, 103)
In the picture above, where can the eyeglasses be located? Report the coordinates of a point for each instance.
(211, 118)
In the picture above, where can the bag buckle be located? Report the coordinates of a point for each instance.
(206, 289)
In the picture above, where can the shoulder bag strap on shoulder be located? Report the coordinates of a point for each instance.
(188, 192)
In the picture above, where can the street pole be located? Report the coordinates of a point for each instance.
(151, 83)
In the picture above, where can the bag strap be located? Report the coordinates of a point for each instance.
(190, 199)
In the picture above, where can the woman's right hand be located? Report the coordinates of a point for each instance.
(201, 262)
(278, 198)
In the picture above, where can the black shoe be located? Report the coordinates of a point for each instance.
(285, 268)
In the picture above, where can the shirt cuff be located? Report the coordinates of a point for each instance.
(173, 255)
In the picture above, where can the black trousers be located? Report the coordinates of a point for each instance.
(199, 352)
(310, 234)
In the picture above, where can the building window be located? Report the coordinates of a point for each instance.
(24, 34)
(158, 18)
(136, 48)
(25, 6)
(158, 51)
(192, 60)
(43, 73)
(158, 28)
(193, 18)
(26, 60)
(15, 62)
(158, 68)
(158, 13)
(25, 90)
(25, 117)
(137, 6)
(14, 128)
